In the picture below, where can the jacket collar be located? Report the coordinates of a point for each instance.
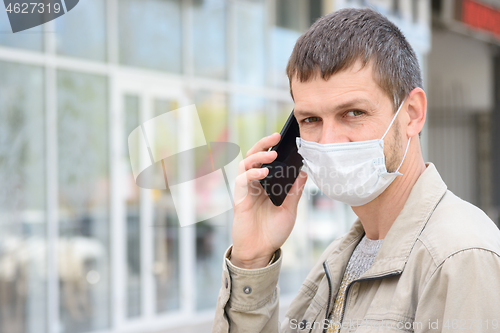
(397, 245)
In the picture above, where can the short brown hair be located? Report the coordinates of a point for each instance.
(337, 40)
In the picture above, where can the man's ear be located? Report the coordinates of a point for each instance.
(417, 111)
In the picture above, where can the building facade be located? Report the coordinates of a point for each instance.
(464, 99)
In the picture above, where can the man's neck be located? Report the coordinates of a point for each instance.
(378, 215)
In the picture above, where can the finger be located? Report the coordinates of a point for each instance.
(292, 199)
(243, 181)
(264, 144)
(256, 160)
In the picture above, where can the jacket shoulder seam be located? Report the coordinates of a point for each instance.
(429, 249)
(460, 251)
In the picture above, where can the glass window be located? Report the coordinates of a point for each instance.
(288, 14)
(82, 31)
(31, 39)
(250, 65)
(209, 38)
(250, 121)
(133, 214)
(150, 34)
(327, 219)
(315, 10)
(283, 41)
(23, 263)
(83, 169)
(283, 37)
(211, 234)
(166, 266)
(395, 7)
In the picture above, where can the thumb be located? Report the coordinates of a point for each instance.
(292, 199)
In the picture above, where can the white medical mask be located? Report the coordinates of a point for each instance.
(350, 172)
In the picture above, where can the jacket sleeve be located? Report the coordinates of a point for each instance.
(248, 299)
(462, 294)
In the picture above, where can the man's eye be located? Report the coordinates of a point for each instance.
(311, 119)
(355, 113)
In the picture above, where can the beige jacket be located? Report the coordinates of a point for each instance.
(438, 270)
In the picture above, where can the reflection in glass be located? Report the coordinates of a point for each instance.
(31, 39)
(211, 234)
(23, 264)
(209, 38)
(166, 265)
(250, 42)
(86, 19)
(83, 169)
(150, 34)
(133, 220)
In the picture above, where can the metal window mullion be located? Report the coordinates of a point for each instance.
(231, 75)
(53, 307)
(268, 33)
(231, 40)
(187, 242)
(187, 40)
(406, 11)
(187, 210)
(117, 239)
(118, 233)
(112, 31)
(148, 286)
(424, 14)
(52, 201)
(232, 121)
(271, 10)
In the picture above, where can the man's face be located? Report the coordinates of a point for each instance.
(350, 106)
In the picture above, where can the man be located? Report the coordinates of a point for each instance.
(418, 258)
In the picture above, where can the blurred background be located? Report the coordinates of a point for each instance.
(83, 249)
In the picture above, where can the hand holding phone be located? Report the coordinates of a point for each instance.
(260, 226)
(286, 167)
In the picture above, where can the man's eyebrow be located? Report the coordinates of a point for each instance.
(304, 113)
(358, 102)
(352, 104)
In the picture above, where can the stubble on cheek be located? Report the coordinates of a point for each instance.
(393, 153)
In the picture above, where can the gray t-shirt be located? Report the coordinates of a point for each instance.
(360, 261)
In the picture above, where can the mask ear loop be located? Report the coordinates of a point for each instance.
(394, 118)
(407, 146)
(409, 139)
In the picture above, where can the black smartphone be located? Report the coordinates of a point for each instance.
(286, 167)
